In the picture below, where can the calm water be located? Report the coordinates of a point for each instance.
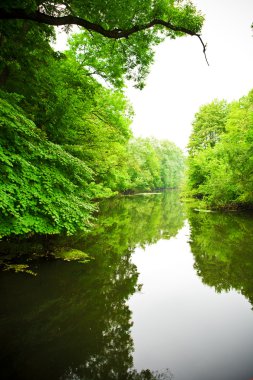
(168, 294)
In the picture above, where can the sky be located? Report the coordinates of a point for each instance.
(180, 81)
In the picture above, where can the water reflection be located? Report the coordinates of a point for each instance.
(122, 224)
(222, 245)
(183, 324)
(72, 321)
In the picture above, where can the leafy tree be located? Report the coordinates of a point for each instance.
(221, 172)
(208, 125)
(138, 25)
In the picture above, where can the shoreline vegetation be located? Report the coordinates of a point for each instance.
(201, 206)
(220, 160)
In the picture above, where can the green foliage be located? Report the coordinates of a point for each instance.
(64, 135)
(120, 58)
(46, 177)
(154, 164)
(122, 15)
(129, 58)
(221, 172)
(114, 62)
(208, 125)
(25, 55)
(43, 188)
(72, 255)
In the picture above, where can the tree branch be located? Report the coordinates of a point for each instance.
(204, 47)
(116, 33)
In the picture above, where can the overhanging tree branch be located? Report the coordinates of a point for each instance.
(116, 33)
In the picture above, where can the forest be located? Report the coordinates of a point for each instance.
(221, 154)
(65, 136)
(120, 256)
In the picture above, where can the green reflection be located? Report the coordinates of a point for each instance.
(71, 321)
(222, 245)
(137, 220)
(71, 316)
(122, 223)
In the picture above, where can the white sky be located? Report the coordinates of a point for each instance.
(180, 80)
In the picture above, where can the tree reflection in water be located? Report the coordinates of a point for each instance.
(72, 321)
(222, 244)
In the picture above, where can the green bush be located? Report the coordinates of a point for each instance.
(43, 188)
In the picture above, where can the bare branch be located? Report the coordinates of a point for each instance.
(204, 47)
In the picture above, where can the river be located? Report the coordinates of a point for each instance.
(158, 291)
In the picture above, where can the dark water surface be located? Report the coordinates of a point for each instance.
(167, 294)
